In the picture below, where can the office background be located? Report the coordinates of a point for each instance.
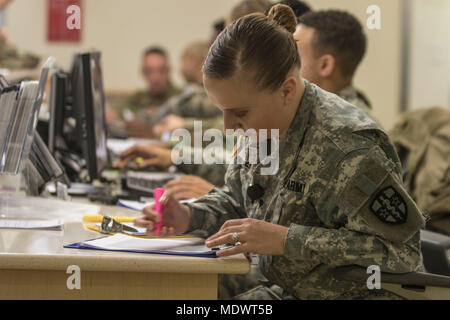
(122, 29)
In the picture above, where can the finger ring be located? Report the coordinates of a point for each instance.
(235, 237)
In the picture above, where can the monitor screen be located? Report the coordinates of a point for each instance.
(98, 97)
(89, 107)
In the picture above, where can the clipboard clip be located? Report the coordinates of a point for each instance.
(109, 225)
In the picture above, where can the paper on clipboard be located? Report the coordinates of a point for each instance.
(124, 243)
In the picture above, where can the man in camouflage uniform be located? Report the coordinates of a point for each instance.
(356, 98)
(193, 103)
(340, 193)
(332, 45)
(422, 139)
(144, 105)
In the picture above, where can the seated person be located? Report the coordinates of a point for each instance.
(332, 45)
(139, 110)
(193, 103)
(422, 140)
(337, 198)
(200, 178)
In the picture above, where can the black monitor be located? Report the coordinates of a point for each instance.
(89, 110)
(58, 104)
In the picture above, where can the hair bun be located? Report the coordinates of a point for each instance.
(284, 16)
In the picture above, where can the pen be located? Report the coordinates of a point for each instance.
(157, 194)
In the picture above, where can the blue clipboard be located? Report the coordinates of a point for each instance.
(207, 254)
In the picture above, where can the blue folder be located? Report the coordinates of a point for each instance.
(206, 254)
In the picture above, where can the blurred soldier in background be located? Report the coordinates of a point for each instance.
(332, 45)
(140, 109)
(422, 139)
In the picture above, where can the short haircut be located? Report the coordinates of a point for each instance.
(155, 50)
(340, 34)
(299, 7)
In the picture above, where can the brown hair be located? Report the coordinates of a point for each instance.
(263, 46)
(338, 33)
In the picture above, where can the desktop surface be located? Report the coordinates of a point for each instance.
(38, 261)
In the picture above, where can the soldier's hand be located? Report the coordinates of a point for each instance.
(254, 236)
(188, 187)
(176, 218)
(151, 156)
(168, 124)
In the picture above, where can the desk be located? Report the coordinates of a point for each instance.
(33, 265)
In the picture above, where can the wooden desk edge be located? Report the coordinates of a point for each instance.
(135, 263)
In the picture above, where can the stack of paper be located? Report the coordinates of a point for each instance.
(124, 243)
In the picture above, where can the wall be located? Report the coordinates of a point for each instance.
(121, 29)
(429, 81)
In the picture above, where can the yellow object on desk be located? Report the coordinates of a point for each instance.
(99, 218)
(89, 222)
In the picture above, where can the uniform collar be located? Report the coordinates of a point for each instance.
(348, 91)
(297, 131)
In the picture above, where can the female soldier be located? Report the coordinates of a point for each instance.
(337, 199)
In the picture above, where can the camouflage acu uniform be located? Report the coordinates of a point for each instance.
(143, 99)
(422, 139)
(193, 104)
(338, 191)
(358, 99)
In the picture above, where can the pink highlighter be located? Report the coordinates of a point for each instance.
(157, 194)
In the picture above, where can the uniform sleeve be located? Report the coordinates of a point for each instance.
(368, 218)
(221, 204)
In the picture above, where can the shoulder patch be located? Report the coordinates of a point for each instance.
(389, 206)
(378, 203)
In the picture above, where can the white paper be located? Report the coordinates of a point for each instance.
(31, 224)
(121, 242)
(139, 206)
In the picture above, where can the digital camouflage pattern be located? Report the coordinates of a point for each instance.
(193, 104)
(214, 174)
(422, 139)
(358, 99)
(335, 166)
(139, 103)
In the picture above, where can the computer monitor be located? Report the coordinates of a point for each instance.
(58, 104)
(89, 109)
